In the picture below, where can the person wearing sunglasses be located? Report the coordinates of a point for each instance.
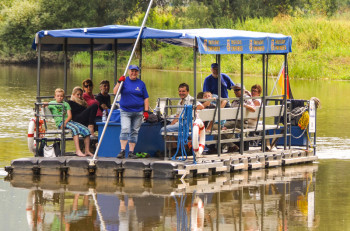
(90, 98)
(247, 103)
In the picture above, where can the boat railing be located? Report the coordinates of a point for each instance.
(49, 134)
(260, 131)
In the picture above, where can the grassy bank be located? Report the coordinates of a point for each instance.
(321, 49)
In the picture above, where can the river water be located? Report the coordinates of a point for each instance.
(294, 198)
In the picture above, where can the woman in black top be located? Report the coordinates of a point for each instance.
(81, 112)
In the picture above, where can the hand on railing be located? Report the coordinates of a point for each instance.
(121, 79)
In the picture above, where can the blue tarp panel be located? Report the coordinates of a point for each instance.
(209, 41)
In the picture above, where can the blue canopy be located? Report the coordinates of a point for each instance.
(209, 41)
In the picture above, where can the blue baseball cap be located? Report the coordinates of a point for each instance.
(134, 67)
(214, 65)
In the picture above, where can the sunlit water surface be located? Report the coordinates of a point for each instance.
(257, 205)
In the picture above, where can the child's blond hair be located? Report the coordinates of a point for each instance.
(59, 90)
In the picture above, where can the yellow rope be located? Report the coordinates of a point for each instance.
(304, 121)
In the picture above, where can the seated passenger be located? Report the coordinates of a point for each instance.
(81, 112)
(90, 98)
(255, 92)
(213, 126)
(248, 104)
(75, 127)
(103, 97)
(186, 99)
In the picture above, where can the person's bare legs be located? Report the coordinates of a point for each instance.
(87, 146)
(76, 144)
(91, 129)
(132, 146)
(123, 144)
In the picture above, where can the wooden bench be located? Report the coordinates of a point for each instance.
(235, 114)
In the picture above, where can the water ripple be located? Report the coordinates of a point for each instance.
(333, 148)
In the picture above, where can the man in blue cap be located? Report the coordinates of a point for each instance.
(211, 82)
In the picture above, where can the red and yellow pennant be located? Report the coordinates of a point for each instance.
(281, 84)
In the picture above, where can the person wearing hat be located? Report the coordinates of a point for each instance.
(247, 103)
(133, 106)
(211, 82)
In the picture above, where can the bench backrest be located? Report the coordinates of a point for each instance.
(231, 113)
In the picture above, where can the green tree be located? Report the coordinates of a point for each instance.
(18, 26)
(67, 14)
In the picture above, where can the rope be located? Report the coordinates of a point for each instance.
(302, 110)
(304, 120)
(317, 102)
(185, 123)
(181, 214)
(303, 124)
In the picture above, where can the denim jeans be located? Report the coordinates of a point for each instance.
(130, 125)
(171, 128)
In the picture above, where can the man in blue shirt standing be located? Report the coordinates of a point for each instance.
(211, 82)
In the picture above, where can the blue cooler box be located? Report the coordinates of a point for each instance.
(149, 140)
(296, 132)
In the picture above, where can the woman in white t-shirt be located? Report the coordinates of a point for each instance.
(256, 91)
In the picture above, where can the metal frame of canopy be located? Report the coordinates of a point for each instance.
(202, 40)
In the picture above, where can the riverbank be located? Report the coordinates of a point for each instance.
(320, 50)
(316, 53)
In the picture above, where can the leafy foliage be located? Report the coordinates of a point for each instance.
(316, 39)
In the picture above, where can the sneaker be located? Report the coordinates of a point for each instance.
(142, 155)
(121, 154)
(132, 155)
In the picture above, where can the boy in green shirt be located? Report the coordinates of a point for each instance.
(75, 127)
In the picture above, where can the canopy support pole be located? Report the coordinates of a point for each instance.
(218, 104)
(195, 74)
(65, 65)
(38, 71)
(263, 144)
(91, 58)
(140, 60)
(285, 103)
(115, 61)
(267, 74)
(241, 142)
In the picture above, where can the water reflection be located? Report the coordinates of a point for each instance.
(274, 199)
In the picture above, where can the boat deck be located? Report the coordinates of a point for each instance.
(159, 168)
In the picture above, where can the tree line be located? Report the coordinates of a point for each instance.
(21, 19)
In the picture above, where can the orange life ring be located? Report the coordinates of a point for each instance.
(198, 130)
(31, 133)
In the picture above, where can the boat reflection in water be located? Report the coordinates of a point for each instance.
(272, 199)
